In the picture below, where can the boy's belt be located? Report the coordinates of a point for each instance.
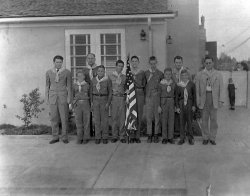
(119, 95)
(168, 97)
(100, 95)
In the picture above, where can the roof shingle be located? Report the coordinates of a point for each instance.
(26, 8)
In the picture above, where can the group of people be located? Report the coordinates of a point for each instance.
(170, 99)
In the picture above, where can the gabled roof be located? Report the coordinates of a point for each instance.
(40, 8)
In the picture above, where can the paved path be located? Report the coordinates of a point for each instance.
(30, 166)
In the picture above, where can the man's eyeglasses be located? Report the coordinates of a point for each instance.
(208, 63)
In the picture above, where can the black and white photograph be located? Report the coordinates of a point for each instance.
(124, 97)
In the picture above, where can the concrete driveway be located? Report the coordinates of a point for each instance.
(29, 165)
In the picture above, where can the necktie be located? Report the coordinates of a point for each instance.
(185, 96)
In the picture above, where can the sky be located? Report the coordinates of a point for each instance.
(228, 23)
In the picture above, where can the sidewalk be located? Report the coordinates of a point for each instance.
(29, 165)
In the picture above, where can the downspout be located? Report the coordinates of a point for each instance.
(165, 41)
(150, 38)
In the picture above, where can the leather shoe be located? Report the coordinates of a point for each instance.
(97, 141)
(54, 141)
(137, 140)
(205, 142)
(85, 141)
(149, 139)
(156, 139)
(123, 141)
(78, 141)
(191, 141)
(212, 142)
(104, 141)
(181, 142)
(171, 141)
(65, 141)
(114, 140)
(164, 141)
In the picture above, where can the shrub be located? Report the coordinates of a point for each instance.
(31, 106)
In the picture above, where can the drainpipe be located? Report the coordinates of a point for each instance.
(150, 38)
(166, 45)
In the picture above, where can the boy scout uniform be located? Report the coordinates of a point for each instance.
(153, 100)
(167, 94)
(140, 83)
(81, 104)
(185, 104)
(101, 97)
(59, 95)
(118, 104)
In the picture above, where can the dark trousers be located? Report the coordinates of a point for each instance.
(232, 100)
(186, 117)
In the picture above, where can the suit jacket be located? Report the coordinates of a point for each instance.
(191, 94)
(152, 86)
(216, 85)
(86, 72)
(61, 90)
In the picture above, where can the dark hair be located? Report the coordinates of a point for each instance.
(80, 72)
(178, 57)
(184, 71)
(152, 58)
(208, 57)
(168, 69)
(90, 54)
(57, 57)
(135, 57)
(101, 66)
(119, 61)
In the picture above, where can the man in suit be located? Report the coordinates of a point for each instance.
(153, 76)
(209, 87)
(58, 95)
(90, 70)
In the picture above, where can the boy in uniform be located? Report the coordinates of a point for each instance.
(186, 105)
(167, 106)
(118, 102)
(81, 105)
(101, 90)
(231, 93)
(153, 76)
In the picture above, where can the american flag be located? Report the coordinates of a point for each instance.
(131, 113)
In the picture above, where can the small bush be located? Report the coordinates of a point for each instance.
(31, 107)
(7, 126)
(31, 130)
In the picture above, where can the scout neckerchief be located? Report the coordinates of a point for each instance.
(118, 77)
(91, 70)
(151, 73)
(168, 83)
(184, 85)
(209, 79)
(80, 84)
(58, 72)
(98, 86)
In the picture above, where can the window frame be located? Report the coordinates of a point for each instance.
(95, 43)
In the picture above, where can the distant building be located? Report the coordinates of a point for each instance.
(33, 32)
(211, 50)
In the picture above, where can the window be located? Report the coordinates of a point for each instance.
(107, 44)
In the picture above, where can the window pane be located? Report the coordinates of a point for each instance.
(80, 39)
(110, 60)
(119, 50)
(71, 51)
(80, 50)
(80, 61)
(71, 39)
(111, 50)
(119, 38)
(72, 61)
(102, 60)
(88, 41)
(110, 38)
(102, 38)
(102, 50)
(88, 49)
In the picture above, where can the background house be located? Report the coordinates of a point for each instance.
(32, 32)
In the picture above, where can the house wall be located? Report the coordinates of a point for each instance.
(28, 51)
(184, 30)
